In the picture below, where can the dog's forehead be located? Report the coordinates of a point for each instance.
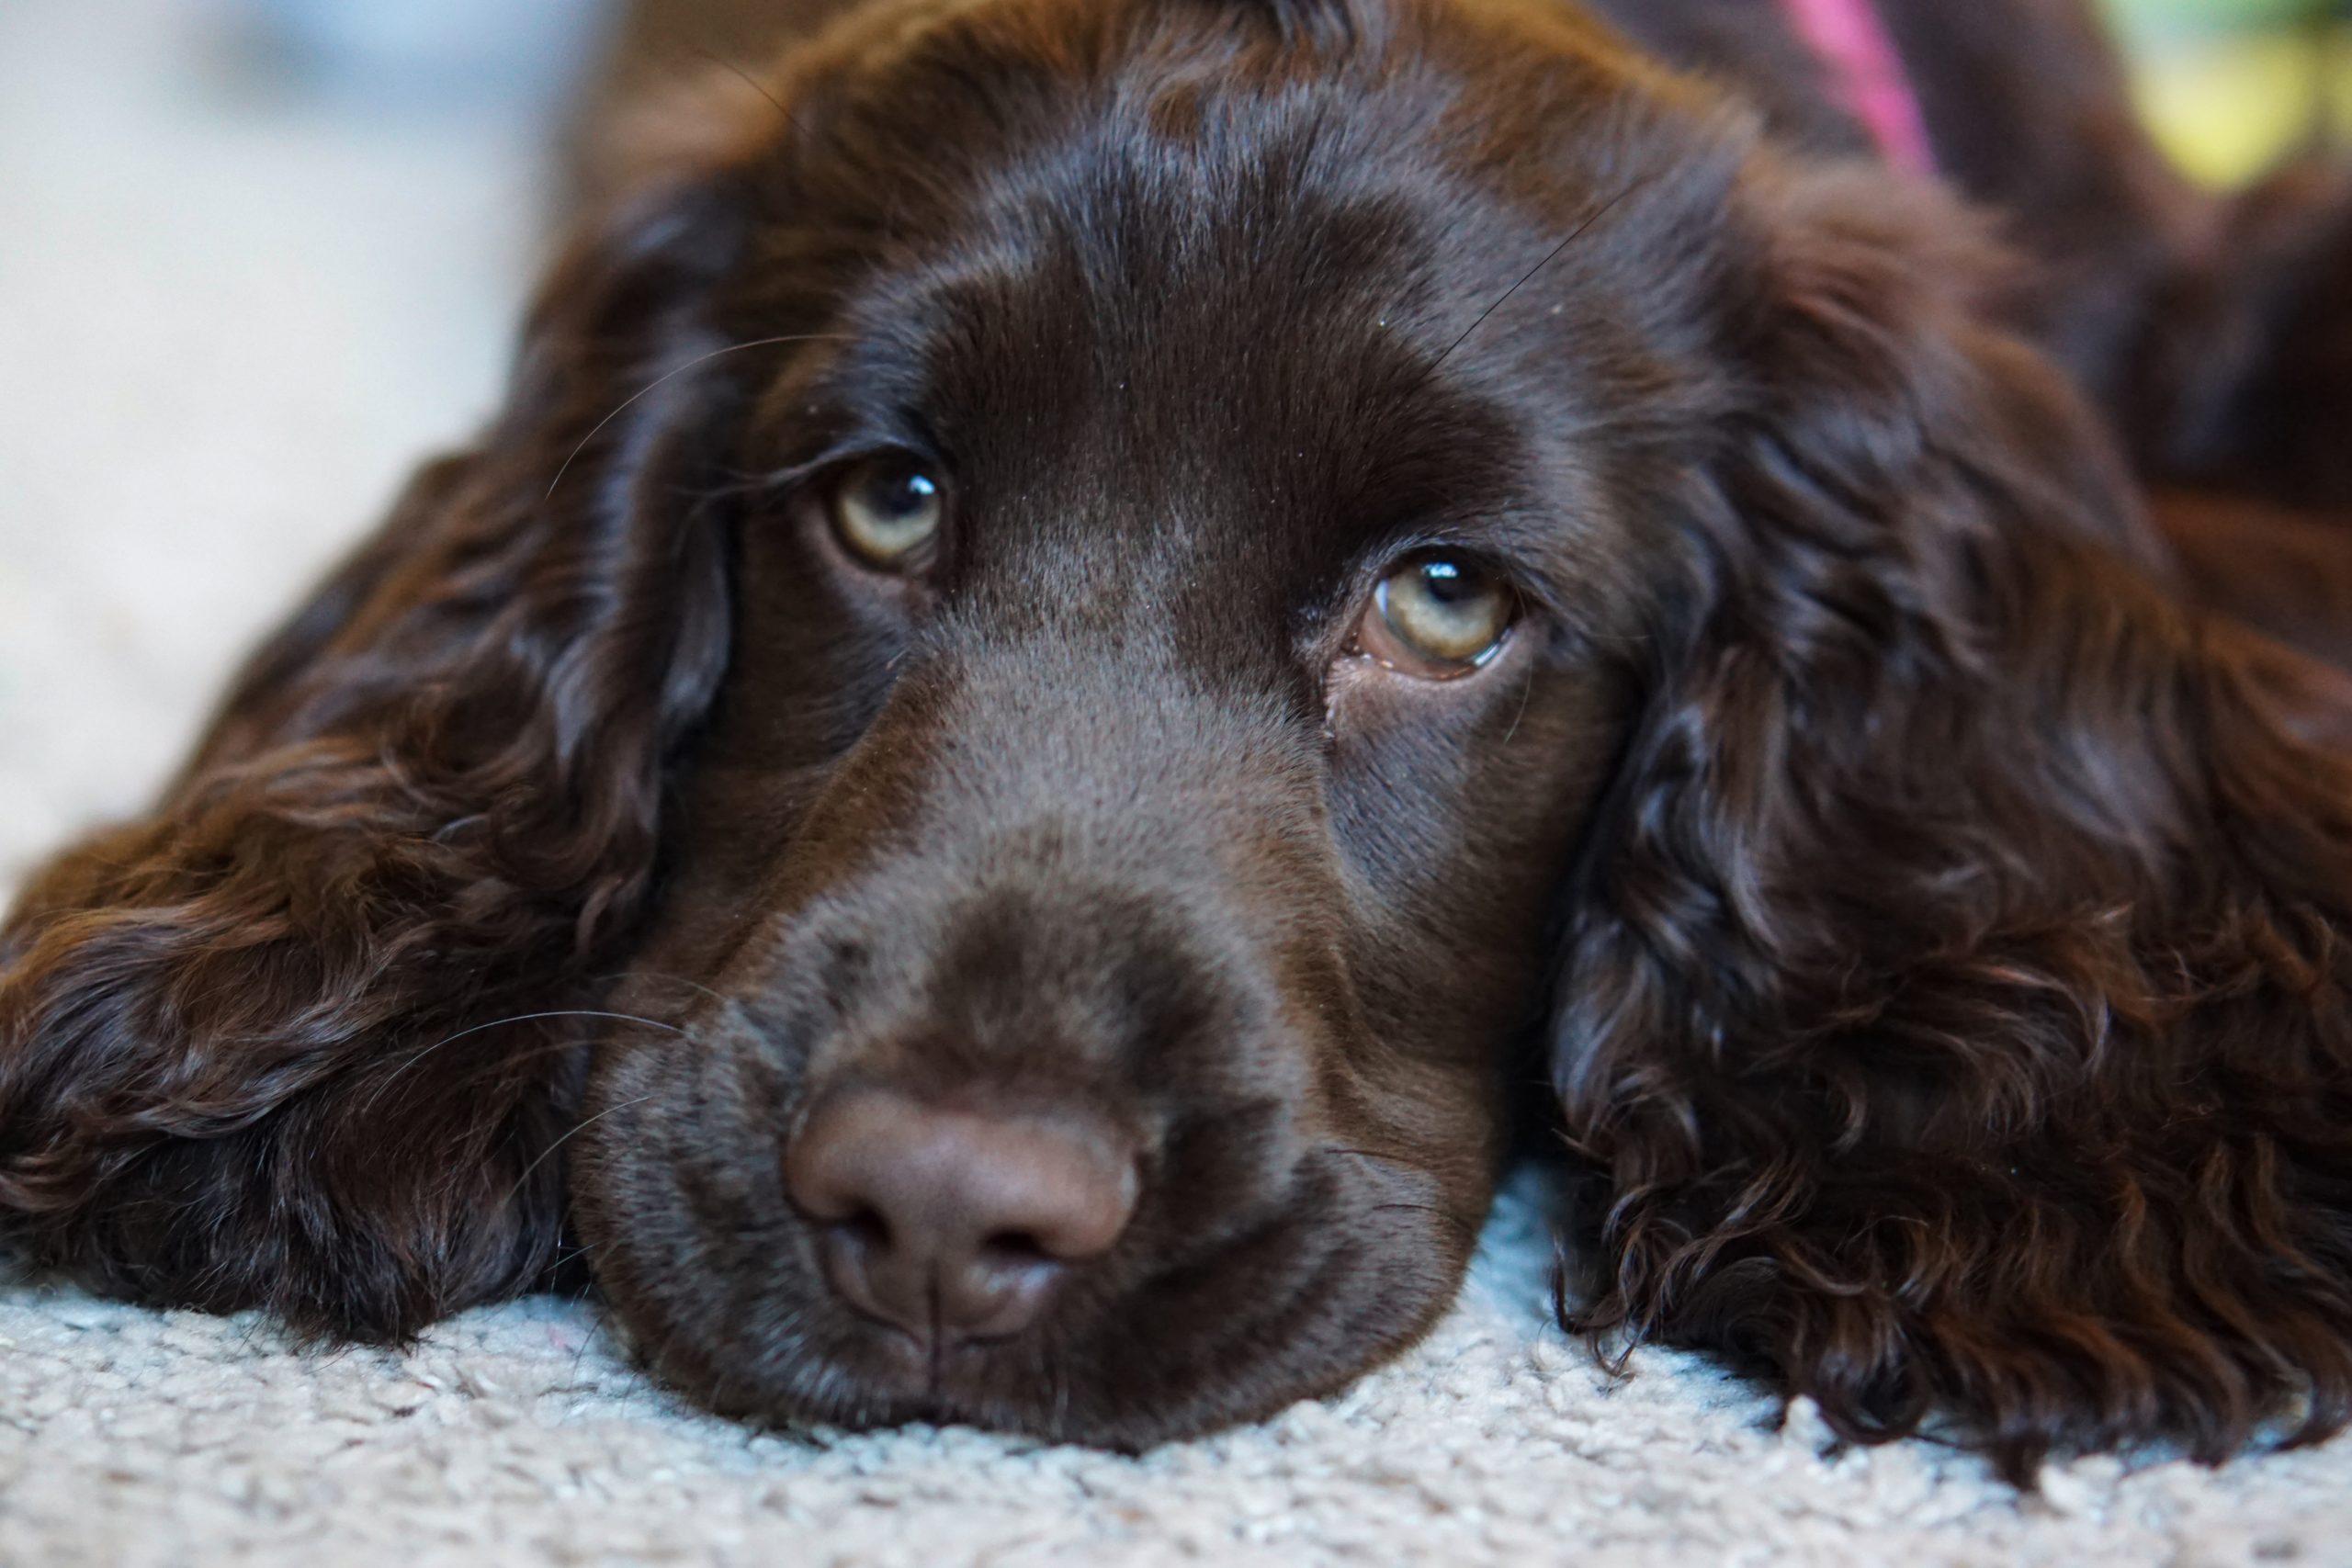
(1187, 337)
(1146, 349)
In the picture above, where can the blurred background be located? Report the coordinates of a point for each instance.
(2229, 86)
(258, 256)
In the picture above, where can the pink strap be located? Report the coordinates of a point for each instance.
(1852, 41)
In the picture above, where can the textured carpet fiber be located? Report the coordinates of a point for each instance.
(521, 1435)
(226, 324)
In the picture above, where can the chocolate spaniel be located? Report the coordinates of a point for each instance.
(1102, 638)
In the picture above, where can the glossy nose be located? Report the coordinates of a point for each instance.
(952, 1224)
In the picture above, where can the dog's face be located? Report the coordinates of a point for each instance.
(1166, 688)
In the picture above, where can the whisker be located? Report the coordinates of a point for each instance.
(1599, 213)
(574, 1256)
(658, 977)
(749, 81)
(492, 1067)
(603, 1315)
(396, 1073)
(660, 382)
(1526, 695)
(578, 1128)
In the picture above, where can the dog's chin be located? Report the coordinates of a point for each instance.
(1113, 1392)
(890, 1386)
(1219, 1343)
(887, 1380)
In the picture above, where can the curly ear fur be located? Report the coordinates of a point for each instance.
(1955, 1005)
(431, 803)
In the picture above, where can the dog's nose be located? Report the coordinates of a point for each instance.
(951, 1223)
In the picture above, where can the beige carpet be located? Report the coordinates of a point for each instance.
(225, 327)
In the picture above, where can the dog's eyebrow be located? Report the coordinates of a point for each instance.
(1577, 233)
(715, 57)
(799, 127)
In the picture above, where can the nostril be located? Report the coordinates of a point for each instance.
(1016, 1249)
(865, 1229)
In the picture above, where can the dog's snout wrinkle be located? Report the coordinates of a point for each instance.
(956, 1225)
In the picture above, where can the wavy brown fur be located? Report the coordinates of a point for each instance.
(1956, 1015)
(249, 1056)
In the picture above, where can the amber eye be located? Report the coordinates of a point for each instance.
(888, 511)
(1437, 617)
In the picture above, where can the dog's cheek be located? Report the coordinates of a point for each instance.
(677, 1189)
(1463, 814)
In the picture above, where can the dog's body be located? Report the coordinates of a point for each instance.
(1091, 621)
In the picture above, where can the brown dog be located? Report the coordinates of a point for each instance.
(1102, 628)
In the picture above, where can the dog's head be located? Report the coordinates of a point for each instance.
(1094, 633)
(1165, 686)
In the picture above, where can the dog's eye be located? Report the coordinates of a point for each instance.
(1437, 617)
(888, 511)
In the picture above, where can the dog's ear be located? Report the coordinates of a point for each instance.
(265, 1046)
(2242, 381)
(1954, 1009)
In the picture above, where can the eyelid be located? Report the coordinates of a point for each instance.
(852, 439)
(1396, 557)
(796, 477)
(1565, 607)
